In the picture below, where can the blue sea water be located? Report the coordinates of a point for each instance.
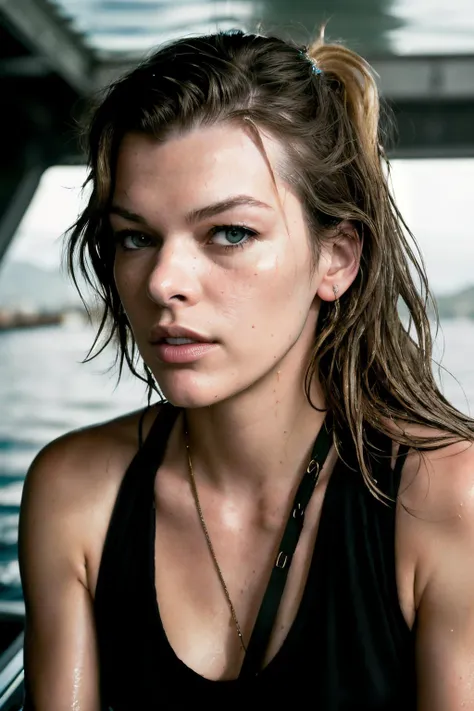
(46, 391)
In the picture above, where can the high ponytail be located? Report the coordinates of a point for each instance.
(355, 79)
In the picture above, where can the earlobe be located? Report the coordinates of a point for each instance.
(344, 251)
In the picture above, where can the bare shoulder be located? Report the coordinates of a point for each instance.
(82, 460)
(440, 481)
(435, 533)
(436, 510)
(71, 487)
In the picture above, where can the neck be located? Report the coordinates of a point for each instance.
(259, 439)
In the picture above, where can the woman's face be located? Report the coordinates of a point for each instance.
(211, 250)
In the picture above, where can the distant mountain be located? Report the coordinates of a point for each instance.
(457, 305)
(26, 286)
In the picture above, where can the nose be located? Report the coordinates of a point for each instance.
(174, 277)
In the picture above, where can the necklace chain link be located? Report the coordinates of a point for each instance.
(209, 542)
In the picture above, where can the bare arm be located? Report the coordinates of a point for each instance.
(61, 668)
(445, 617)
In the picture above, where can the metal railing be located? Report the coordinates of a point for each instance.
(11, 679)
(11, 660)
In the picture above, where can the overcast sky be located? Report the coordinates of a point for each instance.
(435, 197)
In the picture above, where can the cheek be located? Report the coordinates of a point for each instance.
(122, 284)
(130, 287)
(265, 292)
(130, 273)
(248, 287)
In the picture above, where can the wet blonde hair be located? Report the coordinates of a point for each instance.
(321, 102)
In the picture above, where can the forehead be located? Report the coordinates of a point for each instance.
(199, 166)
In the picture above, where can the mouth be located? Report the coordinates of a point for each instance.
(178, 341)
(177, 336)
(175, 345)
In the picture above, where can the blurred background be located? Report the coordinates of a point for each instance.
(56, 54)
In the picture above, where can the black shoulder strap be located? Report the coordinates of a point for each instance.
(140, 426)
(135, 496)
(273, 594)
(157, 437)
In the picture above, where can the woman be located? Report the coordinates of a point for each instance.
(243, 240)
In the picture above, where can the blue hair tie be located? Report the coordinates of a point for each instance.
(314, 64)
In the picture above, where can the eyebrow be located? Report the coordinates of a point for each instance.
(201, 213)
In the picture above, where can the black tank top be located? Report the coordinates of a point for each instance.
(349, 647)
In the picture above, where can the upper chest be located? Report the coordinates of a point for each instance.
(334, 556)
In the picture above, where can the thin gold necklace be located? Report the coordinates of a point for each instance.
(208, 540)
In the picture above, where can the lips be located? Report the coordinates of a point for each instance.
(179, 335)
(178, 346)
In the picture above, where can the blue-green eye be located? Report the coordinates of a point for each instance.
(231, 235)
(132, 240)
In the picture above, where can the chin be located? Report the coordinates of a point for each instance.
(190, 390)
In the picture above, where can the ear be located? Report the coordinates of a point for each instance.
(339, 262)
